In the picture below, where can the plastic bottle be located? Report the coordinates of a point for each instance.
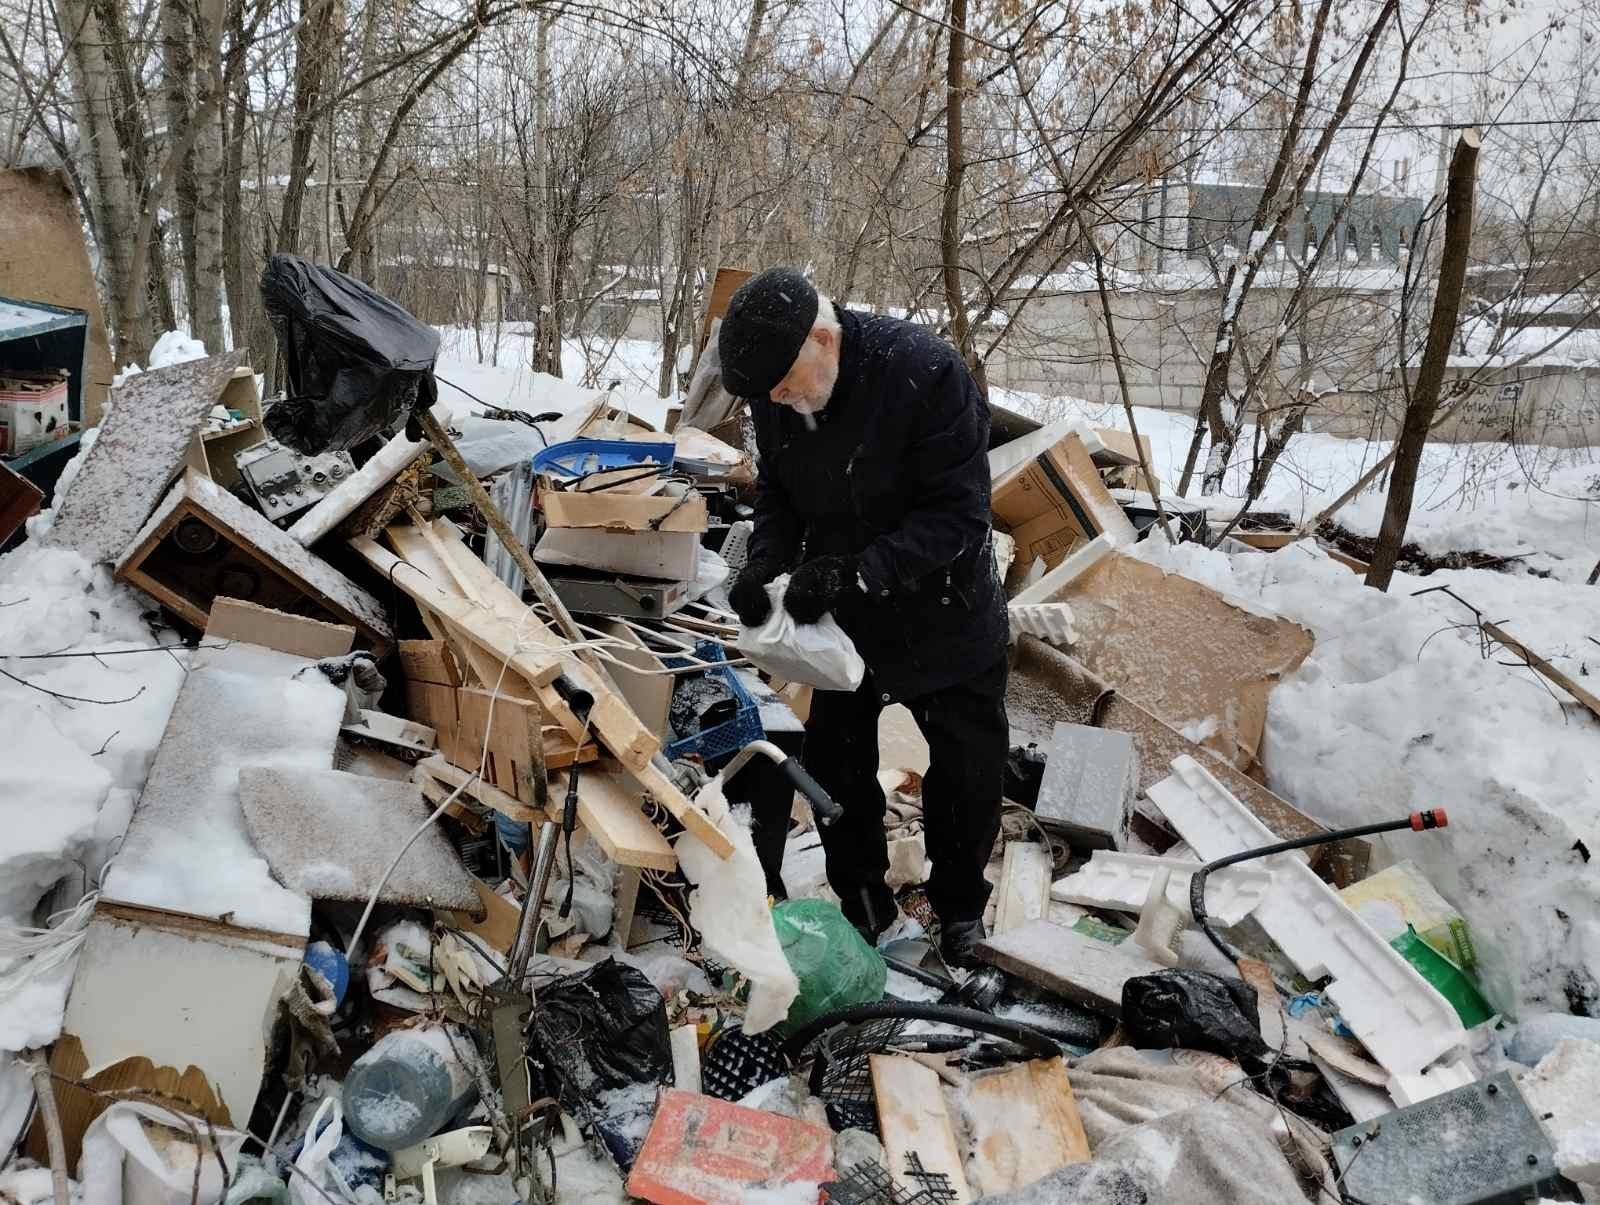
(405, 1088)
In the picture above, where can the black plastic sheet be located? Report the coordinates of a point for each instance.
(1194, 1010)
(355, 363)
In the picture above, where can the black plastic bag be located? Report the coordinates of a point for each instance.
(601, 1029)
(355, 363)
(1195, 1010)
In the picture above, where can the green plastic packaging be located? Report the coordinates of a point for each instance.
(1449, 980)
(834, 964)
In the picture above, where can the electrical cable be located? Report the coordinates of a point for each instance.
(1416, 821)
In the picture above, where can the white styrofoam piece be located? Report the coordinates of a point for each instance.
(341, 501)
(1122, 881)
(1444, 1076)
(1395, 1013)
(1074, 566)
(1050, 622)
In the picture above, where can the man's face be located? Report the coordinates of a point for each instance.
(810, 381)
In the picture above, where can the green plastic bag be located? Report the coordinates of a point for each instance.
(834, 964)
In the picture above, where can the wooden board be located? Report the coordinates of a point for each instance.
(500, 918)
(239, 551)
(235, 619)
(723, 286)
(915, 1125)
(1025, 1125)
(140, 449)
(489, 796)
(1189, 654)
(1542, 667)
(19, 499)
(514, 760)
(45, 257)
(1023, 893)
(1064, 961)
(429, 661)
(609, 810)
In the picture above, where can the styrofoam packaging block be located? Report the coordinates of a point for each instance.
(1091, 777)
(1443, 1077)
(1396, 1014)
(1122, 882)
(1050, 622)
(1078, 563)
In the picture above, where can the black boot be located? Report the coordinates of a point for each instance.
(958, 943)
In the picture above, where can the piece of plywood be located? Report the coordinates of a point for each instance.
(235, 619)
(1023, 893)
(723, 286)
(1064, 961)
(19, 499)
(140, 448)
(500, 918)
(917, 1137)
(429, 661)
(203, 543)
(332, 836)
(1025, 1124)
(704, 1151)
(44, 256)
(1201, 660)
(610, 810)
(503, 736)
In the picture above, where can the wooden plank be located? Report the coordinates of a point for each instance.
(19, 499)
(1542, 667)
(429, 661)
(1063, 961)
(610, 811)
(723, 286)
(1025, 1124)
(490, 796)
(235, 619)
(1024, 891)
(691, 817)
(915, 1125)
(463, 619)
(500, 919)
(514, 758)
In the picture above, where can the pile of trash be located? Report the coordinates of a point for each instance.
(442, 886)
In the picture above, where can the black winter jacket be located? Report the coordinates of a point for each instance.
(897, 473)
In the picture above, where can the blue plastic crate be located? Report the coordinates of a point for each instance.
(574, 458)
(729, 736)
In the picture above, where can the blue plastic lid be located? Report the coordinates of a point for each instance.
(579, 457)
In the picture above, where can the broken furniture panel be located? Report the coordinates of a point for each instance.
(212, 452)
(45, 257)
(915, 1126)
(1025, 1124)
(20, 499)
(1392, 1010)
(235, 619)
(1091, 778)
(1202, 661)
(704, 1151)
(143, 977)
(139, 449)
(1064, 961)
(202, 543)
(297, 817)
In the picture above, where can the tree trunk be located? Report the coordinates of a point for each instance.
(313, 45)
(178, 51)
(955, 168)
(205, 298)
(547, 320)
(242, 300)
(112, 193)
(1435, 356)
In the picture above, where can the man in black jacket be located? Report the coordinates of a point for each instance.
(873, 493)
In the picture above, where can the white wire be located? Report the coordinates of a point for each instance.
(43, 950)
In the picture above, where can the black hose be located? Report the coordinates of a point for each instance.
(1417, 822)
(1036, 1043)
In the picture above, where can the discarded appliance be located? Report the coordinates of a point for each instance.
(284, 482)
(590, 592)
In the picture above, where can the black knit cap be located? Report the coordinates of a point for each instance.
(768, 320)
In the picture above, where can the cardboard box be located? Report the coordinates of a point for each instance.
(1055, 501)
(669, 555)
(609, 510)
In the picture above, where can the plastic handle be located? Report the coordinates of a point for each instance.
(827, 811)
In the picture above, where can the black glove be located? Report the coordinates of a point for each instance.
(817, 585)
(748, 593)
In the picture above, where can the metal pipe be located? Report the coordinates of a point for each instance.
(538, 884)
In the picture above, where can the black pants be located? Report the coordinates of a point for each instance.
(967, 734)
